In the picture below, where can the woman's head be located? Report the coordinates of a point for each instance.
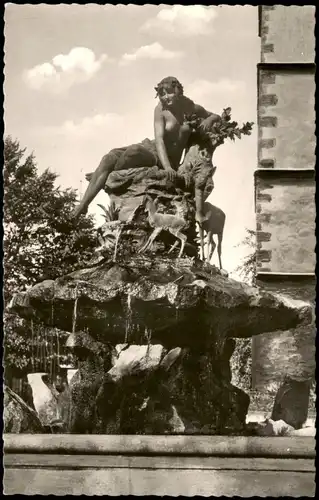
(168, 90)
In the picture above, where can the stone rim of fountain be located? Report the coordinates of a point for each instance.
(204, 445)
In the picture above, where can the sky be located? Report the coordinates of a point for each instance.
(79, 81)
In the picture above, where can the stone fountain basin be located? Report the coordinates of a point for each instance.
(180, 301)
(159, 465)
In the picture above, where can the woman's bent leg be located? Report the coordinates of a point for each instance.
(98, 179)
(135, 156)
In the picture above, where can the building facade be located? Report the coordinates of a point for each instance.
(285, 183)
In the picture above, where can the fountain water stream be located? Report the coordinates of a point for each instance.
(128, 324)
(32, 345)
(75, 312)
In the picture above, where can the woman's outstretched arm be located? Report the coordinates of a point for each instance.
(209, 118)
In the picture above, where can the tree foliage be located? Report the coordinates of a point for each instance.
(41, 241)
(247, 268)
(242, 357)
(40, 238)
(32, 347)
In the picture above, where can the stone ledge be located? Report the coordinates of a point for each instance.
(171, 482)
(230, 446)
(80, 462)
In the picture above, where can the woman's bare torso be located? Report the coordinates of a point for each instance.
(177, 132)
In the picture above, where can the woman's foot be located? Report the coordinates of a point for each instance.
(78, 211)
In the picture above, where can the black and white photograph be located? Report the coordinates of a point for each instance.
(159, 280)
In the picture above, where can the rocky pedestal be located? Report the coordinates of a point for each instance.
(18, 417)
(153, 339)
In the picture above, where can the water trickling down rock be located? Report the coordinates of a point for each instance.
(153, 307)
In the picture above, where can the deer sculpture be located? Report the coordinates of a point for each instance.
(109, 234)
(175, 224)
(214, 224)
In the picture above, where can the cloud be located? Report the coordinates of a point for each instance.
(65, 70)
(87, 127)
(180, 20)
(153, 51)
(96, 134)
(202, 89)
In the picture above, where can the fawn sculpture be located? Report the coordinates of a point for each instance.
(175, 224)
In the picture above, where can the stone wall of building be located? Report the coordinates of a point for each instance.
(287, 33)
(288, 353)
(285, 214)
(285, 184)
(286, 113)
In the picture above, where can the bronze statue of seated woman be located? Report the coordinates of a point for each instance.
(172, 133)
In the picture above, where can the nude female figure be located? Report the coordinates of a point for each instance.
(171, 136)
